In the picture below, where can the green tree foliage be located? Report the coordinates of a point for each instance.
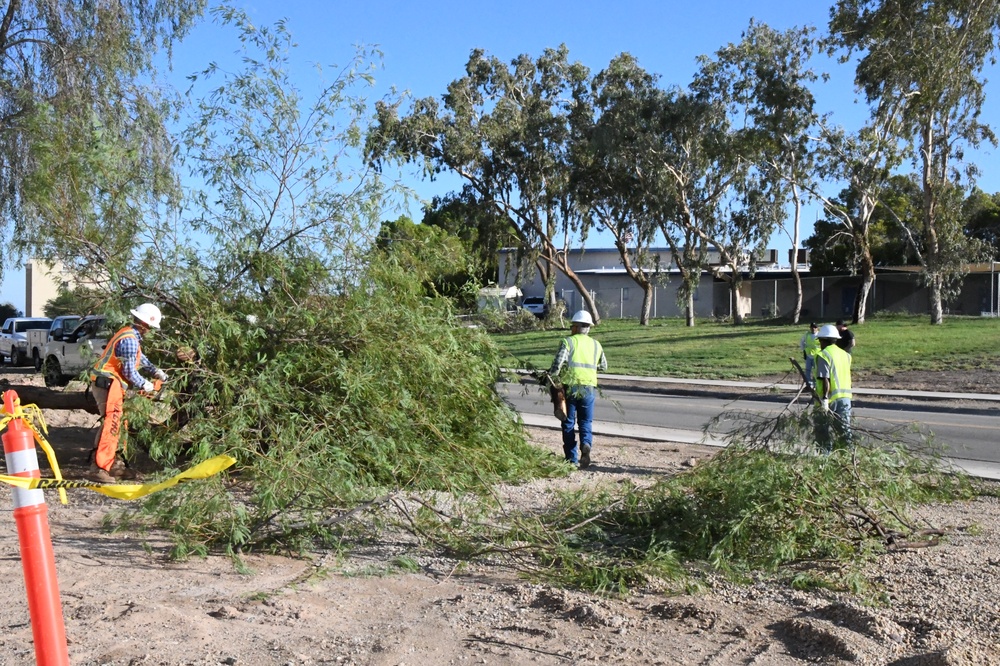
(83, 152)
(431, 255)
(7, 310)
(476, 223)
(833, 247)
(330, 400)
(614, 176)
(752, 507)
(76, 301)
(928, 58)
(982, 214)
(747, 202)
(324, 366)
(506, 129)
(774, 69)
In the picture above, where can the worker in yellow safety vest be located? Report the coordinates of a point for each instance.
(833, 386)
(579, 359)
(809, 344)
(116, 370)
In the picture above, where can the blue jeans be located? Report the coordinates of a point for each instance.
(833, 429)
(810, 362)
(579, 409)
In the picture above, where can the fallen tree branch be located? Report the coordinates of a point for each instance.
(48, 399)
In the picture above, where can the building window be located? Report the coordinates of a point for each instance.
(624, 293)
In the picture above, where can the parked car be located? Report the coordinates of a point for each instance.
(69, 354)
(535, 305)
(39, 337)
(14, 337)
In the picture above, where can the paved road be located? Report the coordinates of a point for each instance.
(969, 435)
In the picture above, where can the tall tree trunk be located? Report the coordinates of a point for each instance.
(647, 302)
(551, 255)
(797, 308)
(931, 243)
(937, 301)
(734, 301)
(689, 310)
(867, 280)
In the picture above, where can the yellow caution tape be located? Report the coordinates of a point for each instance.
(123, 491)
(32, 415)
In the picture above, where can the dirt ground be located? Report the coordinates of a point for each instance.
(125, 603)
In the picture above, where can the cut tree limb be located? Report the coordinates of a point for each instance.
(49, 399)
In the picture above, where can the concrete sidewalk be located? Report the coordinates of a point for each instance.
(982, 470)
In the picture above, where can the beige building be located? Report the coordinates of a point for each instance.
(41, 284)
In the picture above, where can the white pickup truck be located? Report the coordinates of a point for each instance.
(38, 337)
(69, 354)
(14, 337)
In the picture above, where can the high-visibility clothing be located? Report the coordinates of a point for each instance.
(109, 365)
(839, 363)
(581, 366)
(114, 430)
(810, 344)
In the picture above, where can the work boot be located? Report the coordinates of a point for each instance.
(584, 456)
(99, 475)
(120, 470)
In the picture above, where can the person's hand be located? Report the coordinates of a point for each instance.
(148, 387)
(159, 374)
(824, 405)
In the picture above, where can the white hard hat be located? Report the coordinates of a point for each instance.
(829, 331)
(148, 313)
(583, 317)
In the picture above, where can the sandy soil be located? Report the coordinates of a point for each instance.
(125, 603)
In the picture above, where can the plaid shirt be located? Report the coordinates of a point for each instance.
(126, 350)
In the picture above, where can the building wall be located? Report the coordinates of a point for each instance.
(824, 300)
(41, 284)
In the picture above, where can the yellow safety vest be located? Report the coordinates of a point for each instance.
(109, 365)
(839, 362)
(812, 345)
(584, 355)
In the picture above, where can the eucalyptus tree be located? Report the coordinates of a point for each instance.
(771, 77)
(612, 174)
(928, 57)
(865, 161)
(84, 155)
(750, 193)
(506, 129)
(688, 178)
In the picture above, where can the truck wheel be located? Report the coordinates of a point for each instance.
(20, 358)
(36, 360)
(53, 373)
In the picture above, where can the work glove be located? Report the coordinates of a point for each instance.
(824, 405)
(159, 374)
(148, 387)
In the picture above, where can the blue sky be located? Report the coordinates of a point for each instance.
(426, 45)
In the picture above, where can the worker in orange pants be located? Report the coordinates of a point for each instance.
(117, 369)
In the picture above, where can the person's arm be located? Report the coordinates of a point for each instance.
(602, 365)
(562, 356)
(823, 379)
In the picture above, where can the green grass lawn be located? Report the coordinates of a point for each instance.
(710, 350)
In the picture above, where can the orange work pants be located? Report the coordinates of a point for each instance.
(111, 405)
